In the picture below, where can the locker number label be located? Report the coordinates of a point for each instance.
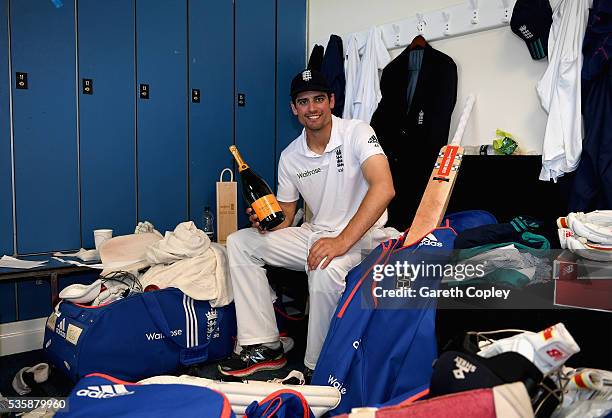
(195, 95)
(144, 91)
(87, 86)
(241, 99)
(22, 81)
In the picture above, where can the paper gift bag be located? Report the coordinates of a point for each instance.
(227, 217)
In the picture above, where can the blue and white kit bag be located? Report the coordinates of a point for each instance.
(99, 395)
(381, 347)
(140, 336)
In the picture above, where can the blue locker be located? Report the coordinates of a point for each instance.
(8, 305)
(81, 277)
(6, 171)
(44, 120)
(161, 51)
(211, 118)
(255, 78)
(107, 115)
(34, 299)
(291, 58)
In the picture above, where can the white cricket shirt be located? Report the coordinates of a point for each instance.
(375, 58)
(560, 88)
(351, 74)
(331, 184)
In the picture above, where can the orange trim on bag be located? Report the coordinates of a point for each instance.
(361, 279)
(415, 397)
(274, 404)
(91, 307)
(226, 411)
(112, 379)
(281, 391)
(408, 401)
(404, 247)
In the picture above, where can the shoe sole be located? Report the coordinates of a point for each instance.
(269, 365)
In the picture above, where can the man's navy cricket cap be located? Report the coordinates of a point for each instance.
(531, 21)
(308, 80)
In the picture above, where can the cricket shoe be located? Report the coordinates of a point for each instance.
(253, 359)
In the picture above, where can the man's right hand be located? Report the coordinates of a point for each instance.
(254, 220)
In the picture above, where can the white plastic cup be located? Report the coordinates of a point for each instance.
(101, 235)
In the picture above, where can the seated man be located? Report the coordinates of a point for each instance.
(341, 172)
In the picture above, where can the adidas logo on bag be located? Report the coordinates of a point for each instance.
(104, 391)
(60, 329)
(431, 241)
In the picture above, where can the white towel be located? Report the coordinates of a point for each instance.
(187, 260)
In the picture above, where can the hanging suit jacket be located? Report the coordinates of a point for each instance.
(411, 134)
(332, 68)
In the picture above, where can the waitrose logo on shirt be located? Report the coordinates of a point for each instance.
(308, 173)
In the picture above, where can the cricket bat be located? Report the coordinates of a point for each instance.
(440, 185)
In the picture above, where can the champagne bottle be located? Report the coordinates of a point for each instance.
(258, 195)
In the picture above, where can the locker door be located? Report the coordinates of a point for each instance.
(8, 303)
(211, 118)
(107, 112)
(290, 59)
(34, 298)
(162, 112)
(255, 78)
(44, 120)
(6, 171)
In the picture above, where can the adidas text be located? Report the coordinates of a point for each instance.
(104, 391)
(427, 241)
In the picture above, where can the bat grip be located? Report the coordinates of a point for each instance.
(465, 115)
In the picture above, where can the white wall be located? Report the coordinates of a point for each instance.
(494, 64)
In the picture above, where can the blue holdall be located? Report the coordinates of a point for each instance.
(140, 336)
(380, 347)
(99, 395)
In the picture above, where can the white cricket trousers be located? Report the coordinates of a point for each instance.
(248, 250)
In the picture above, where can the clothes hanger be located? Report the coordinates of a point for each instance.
(417, 42)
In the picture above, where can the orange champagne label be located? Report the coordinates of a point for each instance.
(266, 206)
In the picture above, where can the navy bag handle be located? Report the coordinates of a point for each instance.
(188, 355)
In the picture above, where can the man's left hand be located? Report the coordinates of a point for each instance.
(328, 248)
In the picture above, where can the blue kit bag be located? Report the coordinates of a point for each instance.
(460, 221)
(140, 336)
(99, 395)
(382, 342)
(284, 403)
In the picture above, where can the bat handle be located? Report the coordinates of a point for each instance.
(465, 115)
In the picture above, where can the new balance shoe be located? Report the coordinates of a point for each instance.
(253, 359)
